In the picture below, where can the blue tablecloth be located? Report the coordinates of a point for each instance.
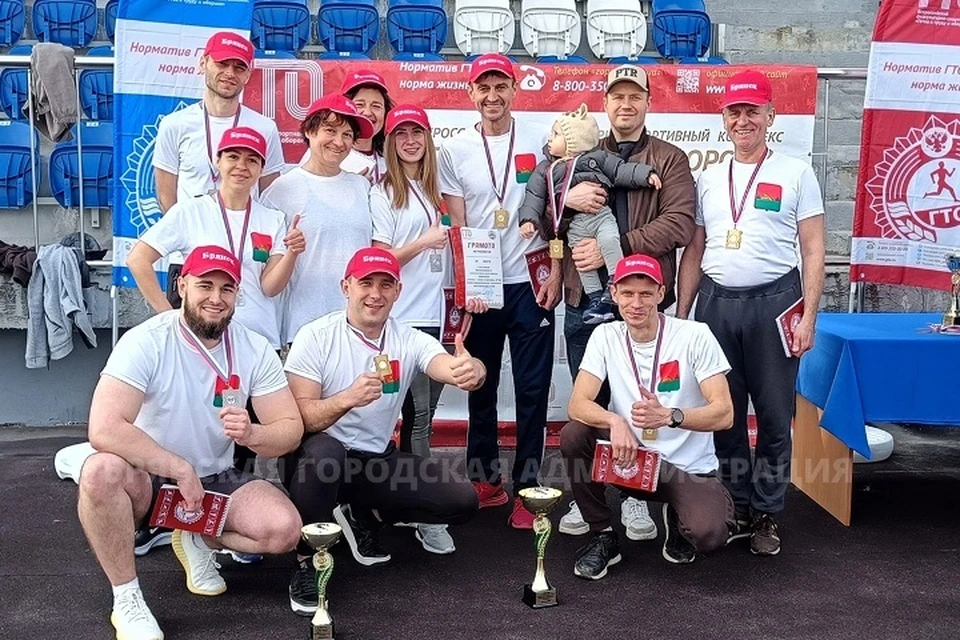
(880, 367)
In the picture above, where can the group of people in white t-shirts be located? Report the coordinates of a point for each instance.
(342, 261)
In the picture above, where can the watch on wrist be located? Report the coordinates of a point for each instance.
(676, 417)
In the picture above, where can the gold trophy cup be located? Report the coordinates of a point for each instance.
(952, 317)
(540, 500)
(321, 536)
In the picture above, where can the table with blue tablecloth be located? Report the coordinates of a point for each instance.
(866, 367)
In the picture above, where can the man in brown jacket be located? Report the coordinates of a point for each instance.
(652, 222)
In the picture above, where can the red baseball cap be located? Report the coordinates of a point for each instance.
(404, 113)
(227, 45)
(244, 138)
(371, 260)
(638, 265)
(209, 258)
(361, 78)
(491, 62)
(339, 104)
(748, 87)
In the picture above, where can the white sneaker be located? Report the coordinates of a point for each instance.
(435, 538)
(572, 523)
(636, 518)
(199, 563)
(132, 619)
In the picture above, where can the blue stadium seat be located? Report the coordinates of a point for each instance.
(110, 18)
(419, 57)
(349, 56)
(681, 28)
(348, 27)
(280, 25)
(96, 140)
(12, 17)
(416, 26)
(16, 171)
(564, 60)
(275, 55)
(96, 88)
(72, 23)
(13, 85)
(627, 60)
(704, 60)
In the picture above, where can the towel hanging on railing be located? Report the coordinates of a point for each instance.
(54, 91)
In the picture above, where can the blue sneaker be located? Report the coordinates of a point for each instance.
(599, 310)
(242, 558)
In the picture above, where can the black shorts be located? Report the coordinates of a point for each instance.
(226, 482)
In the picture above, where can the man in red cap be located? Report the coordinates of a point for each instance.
(169, 409)
(350, 372)
(668, 393)
(744, 262)
(184, 155)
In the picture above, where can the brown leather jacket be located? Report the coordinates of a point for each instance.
(658, 222)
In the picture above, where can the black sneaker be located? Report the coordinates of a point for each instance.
(596, 556)
(676, 548)
(765, 539)
(360, 530)
(146, 539)
(598, 311)
(303, 589)
(742, 527)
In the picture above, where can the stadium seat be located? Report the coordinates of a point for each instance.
(681, 28)
(72, 23)
(16, 171)
(13, 85)
(348, 27)
(642, 60)
(349, 56)
(280, 25)
(616, 28)
(12, 18)
(704, 60)
(110, 18)
(96, 88)
(483, 26)
(565, 60)
(550, 27)
(275, 55)
(416, 26)
(419, 57)
(96, 142)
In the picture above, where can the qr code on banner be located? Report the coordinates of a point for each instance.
(688, 80)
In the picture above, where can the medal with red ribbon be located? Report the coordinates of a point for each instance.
(226, 390)
(648, 434)
(436, 260)
(735, 235)
(501, 217)
(388, 370)
(211, 155)
(238, 254)
(558, 201)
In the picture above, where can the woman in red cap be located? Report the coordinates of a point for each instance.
(333, 208)
(407, 221)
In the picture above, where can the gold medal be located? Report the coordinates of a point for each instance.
(556, 249)
(649, 434)
(501, 218)
(382, 365)
(734, 237)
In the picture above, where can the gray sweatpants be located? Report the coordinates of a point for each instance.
(602, 226)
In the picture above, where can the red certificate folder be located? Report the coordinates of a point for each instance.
(170, 512)
(644, 474)
(539, 266)
(787, 324)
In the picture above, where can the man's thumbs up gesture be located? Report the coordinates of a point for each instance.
(468, 372)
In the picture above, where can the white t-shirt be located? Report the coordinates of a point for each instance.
(196, 222)
(421, 302)
(335, 219)
(784, 192)
(178, 386)
(181, 146)
(464, 172)
(329, 352)
(689, 355)
(357, 161)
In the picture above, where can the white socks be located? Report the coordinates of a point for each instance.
(127, 588)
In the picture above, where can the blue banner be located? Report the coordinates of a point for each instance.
(158, 46)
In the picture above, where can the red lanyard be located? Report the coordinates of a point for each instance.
(564, 187)
(743, 201)
(422, 202)
(369, 343)
(207, 356)
(500, 193)
(226, 227)
(656, 356)
(214, 174)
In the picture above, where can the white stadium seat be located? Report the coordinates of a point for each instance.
(483, 26)
(616, 28)
(550, 27)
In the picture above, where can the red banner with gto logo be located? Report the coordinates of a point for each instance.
(907, 218)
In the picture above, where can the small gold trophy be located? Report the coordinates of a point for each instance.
(321, 536)
(540, 500)
(952, 317)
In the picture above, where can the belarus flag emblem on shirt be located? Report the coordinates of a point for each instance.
(262, 243)
(768, 197)
(524, 163)
(669, 376)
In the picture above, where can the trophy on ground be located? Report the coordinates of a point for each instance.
(321, 536)
(952, 317)
(540, 501)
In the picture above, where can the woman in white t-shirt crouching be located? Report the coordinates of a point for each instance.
(406, 209)
(333, 207)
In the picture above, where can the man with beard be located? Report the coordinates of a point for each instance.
(169, 409)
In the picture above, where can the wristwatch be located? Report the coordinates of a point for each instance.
(676, 417)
